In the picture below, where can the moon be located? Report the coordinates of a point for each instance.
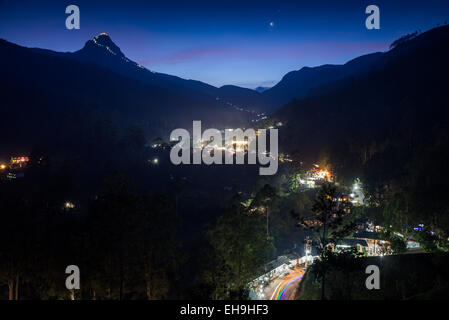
(271, 24)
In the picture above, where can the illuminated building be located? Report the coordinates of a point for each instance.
(19, 161)
(69, 205)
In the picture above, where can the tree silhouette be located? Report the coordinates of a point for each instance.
(264, 199)
(328, 222)
(240, 246)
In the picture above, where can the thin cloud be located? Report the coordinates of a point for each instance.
(286, 51)
(188, 55)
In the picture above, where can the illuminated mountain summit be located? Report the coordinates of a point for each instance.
(101, 44)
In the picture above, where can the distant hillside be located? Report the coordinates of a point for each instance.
(399, 107)
(244, 98)
(399, 95)
(102, 51)
(45, 94)
(301, 83)
(261, 89)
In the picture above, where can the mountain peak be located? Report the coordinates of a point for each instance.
(103, 38)
(104, 41)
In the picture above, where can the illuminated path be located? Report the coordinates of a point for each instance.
(286, 288)
(281, 295)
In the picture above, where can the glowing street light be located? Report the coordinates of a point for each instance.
(69, 205)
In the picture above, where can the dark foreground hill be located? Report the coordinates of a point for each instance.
(402, 277)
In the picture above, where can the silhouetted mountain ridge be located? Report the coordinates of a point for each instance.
(43, 90)
(301, 83)
(102, 51)
(400, 106)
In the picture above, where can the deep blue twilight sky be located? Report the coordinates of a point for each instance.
(222, 42)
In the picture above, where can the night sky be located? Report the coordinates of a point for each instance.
(222, 42)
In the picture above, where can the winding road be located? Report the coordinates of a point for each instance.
(285, 288)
